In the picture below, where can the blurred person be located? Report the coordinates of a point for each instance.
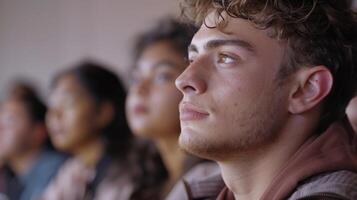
(352, 113)
(2, 182)
(30, 162)
(86, 119)
(265, 96)
(152, 102)
(2, 175)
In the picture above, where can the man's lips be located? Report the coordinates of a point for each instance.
(190, 112)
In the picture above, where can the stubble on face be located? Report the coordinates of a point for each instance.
(255, 127)
(251, 107)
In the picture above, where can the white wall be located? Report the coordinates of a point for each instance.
(39, 37)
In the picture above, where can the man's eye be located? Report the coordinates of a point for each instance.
(226, 59)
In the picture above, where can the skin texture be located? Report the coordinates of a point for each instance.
(236, 87)
(236, 109)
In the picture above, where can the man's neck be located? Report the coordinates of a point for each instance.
(249, 174)
(22, 163)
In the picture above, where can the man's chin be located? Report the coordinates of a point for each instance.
(195, 145)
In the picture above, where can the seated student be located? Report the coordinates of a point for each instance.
(265, 96)
(86, 119)
(352, 113)
(152, 102)
(30, 164)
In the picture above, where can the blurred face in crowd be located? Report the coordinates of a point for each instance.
(352, 112)
(71, 116)
(16, 129)
(233, 101)
(152, 102)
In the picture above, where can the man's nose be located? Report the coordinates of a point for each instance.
(191, 81)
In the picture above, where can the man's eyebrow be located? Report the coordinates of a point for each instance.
(233, 42)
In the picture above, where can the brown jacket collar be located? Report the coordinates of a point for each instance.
(334, 150)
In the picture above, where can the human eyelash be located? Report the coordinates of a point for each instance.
(222, 56)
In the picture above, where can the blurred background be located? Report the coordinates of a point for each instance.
(39, 37)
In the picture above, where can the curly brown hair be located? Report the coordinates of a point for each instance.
(317, 32)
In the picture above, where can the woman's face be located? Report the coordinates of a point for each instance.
(152, 102)
(352, 112)
(16, 126)
(71, 116)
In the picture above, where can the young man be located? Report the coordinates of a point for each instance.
(265, 96)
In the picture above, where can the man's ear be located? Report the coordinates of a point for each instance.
(311, 87)
(105, 114)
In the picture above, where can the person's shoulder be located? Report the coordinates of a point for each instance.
(54, 157)
(116, 176)
(339, 185)
(46, 166)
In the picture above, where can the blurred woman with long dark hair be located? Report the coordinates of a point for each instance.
(153, 99)
(86, 119)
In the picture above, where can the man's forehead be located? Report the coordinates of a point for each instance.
(206, 34)
(232, 29)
